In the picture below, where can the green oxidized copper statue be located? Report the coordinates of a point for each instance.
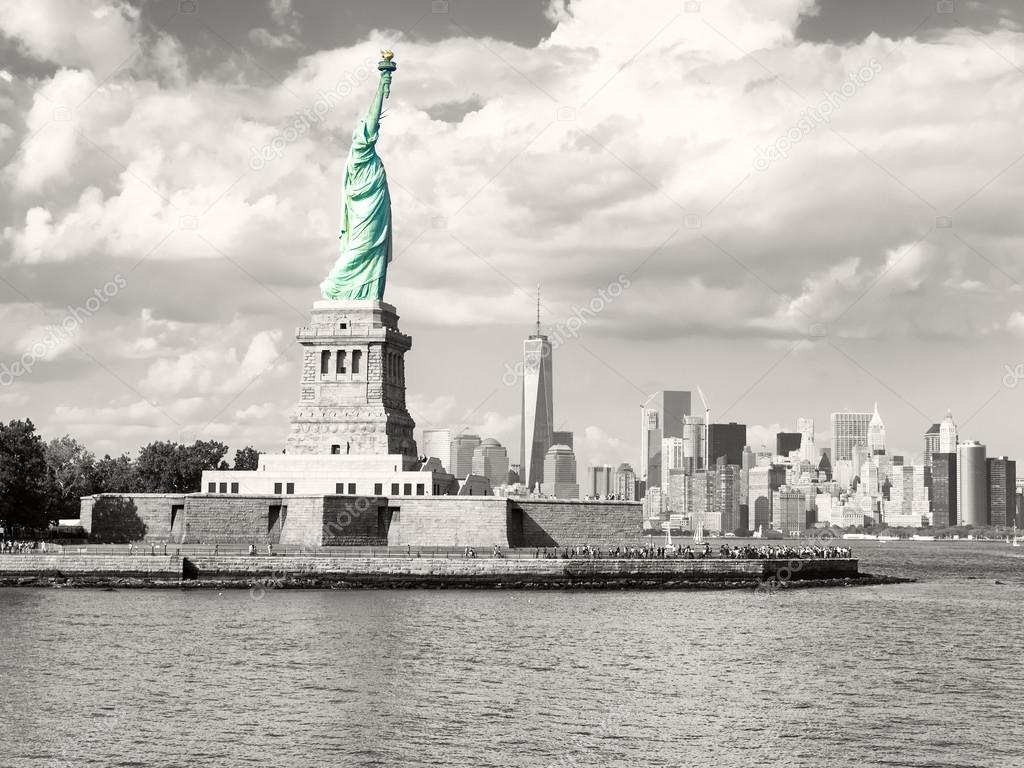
(362, 268)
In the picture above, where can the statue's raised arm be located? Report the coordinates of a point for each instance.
(361, 270)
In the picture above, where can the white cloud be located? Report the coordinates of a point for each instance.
(91, 33)
(268, 39)
(215, 370)
(580, 163)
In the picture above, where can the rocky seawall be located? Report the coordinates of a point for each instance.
(332, 571)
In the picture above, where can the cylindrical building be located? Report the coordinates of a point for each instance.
(972, 472)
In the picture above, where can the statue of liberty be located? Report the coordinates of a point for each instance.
(362, 267)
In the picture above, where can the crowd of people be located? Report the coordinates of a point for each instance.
(11, 547)
(688, 552)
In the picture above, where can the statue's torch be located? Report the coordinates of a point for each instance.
(387, 65)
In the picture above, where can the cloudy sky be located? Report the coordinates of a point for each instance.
(801, 206)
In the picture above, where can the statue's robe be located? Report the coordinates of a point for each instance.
(362, 268)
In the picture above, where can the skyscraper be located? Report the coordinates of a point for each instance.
(944, 491)
(727, 440)
(693, 443)
(538, 407)
(762, 482)
(1002, 487)
(661, 416)
(848, 430)
(562, 437)
(947, 435)
(602, 481)
(805, 427)
(490, 460)
(931, 444)
(437, 444)
(461, 462)
(785, 442)
(560, 473)
(876, 433)
(625, 482)
(972, 477)
(790, 510)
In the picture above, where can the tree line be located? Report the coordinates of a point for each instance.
(41, 482)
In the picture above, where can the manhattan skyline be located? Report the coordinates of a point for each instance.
(874, 261)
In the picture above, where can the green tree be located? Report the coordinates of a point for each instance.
(168, 467)
(246, 458)
(71, 469)
(23, 476)
(112, 475)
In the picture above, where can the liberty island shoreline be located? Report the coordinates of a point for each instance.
(435, 570)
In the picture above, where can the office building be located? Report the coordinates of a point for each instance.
(1002, 488)
(490, 460)
(601, 483)
(790, 510)
(945, 497)
(787, 442)
(848, 430)
(562, 437)
(931, 444)
(661, 416)
(727, 440)
(537, 429)
(972, 481)
(560, 473)
(693, 443)
(461, 460)
(876, 434)
(625, 483)
(808, 451)
(437, 444)
(762, 482)
(947, 435)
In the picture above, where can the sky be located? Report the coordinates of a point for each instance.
(801, 207)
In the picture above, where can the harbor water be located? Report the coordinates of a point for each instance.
(923, 674)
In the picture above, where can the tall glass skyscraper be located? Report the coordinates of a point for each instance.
(972, 471)
(538, 409)
(1002, 489)
(661, 417)
(848, 430)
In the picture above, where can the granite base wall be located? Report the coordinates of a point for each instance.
(449, 521)
(120, 518)
(300, 520)
(557, 523)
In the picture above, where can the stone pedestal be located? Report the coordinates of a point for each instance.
(352, 392)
